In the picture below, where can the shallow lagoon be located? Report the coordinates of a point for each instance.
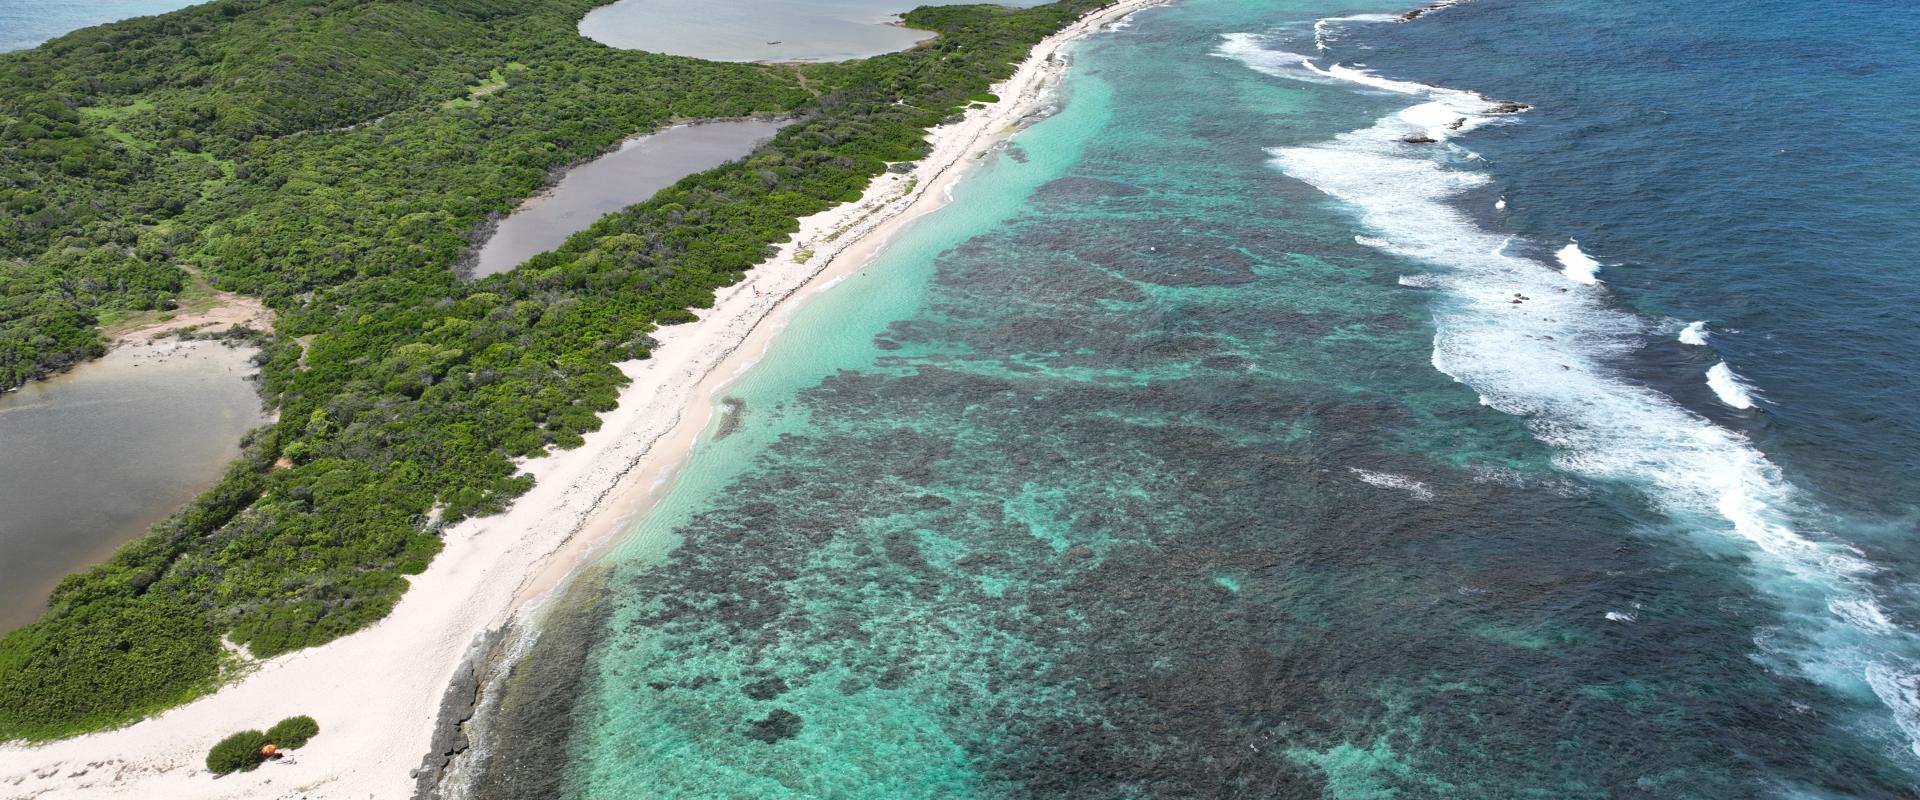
(642, 166)
(758, 30)
(93, 458)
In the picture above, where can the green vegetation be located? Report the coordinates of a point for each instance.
(292, 733)
(304, 151)
(236, 753)
(243, 750)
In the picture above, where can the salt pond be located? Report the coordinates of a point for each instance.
(758, 30)
(642, 166)
(93, 458)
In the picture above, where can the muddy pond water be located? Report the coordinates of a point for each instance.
(640, 167)
(758, 30)
(93, 458)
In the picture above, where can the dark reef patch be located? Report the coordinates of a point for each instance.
(778, 725)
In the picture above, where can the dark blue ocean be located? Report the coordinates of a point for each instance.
(1752, 165)
(1510, 401)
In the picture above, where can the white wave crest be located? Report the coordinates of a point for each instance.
(1388, 480)
(1694, 334)
(1577, 265)
(1899, 690)
(1326, 30)
(1619, 616)
(1251, 51)
(1508, 329)
(1864, 613)
(1730, 388)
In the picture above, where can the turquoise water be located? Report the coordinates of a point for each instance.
(1215, 442)
(27, 23)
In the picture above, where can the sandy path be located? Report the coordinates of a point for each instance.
(377, 693)
(229, 310)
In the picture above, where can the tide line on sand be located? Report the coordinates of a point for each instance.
(377, 692)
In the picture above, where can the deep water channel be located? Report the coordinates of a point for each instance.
(93, 458)
(641, 166)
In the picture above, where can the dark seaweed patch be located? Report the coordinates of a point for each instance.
(778, 725)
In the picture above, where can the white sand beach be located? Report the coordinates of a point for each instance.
(377, 693)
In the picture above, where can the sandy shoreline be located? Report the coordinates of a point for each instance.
(377, 693)
(228, 312)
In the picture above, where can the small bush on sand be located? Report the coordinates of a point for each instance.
(240, 751)
(293, 732)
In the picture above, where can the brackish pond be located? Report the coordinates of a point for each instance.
(93, 458)
(758, 30)
(642, 166)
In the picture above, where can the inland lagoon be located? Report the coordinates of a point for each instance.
(757, 30)
(640, 167)
(92, 458)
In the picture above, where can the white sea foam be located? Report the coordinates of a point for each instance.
(1577, 265)
(1730, 388)
(1619, 616)
(1694, 334)
(1506, 328)
(1388, 480)
(1900, 691)
(1250, 50)
(1421, 281)
(1864, 613)
(1325, 31)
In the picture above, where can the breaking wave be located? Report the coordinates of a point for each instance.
(1577, 265)
(1730, 388)
(1511, 328)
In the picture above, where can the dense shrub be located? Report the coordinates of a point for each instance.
(293, 732)
(240, 751)
(103, 661)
